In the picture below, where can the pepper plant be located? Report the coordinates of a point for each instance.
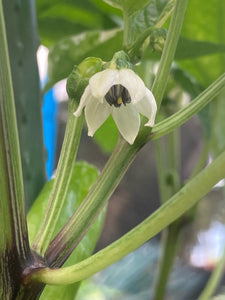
(48, 252)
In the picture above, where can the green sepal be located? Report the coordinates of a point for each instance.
(119, 61)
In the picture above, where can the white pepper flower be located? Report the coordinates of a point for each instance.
(121, 93)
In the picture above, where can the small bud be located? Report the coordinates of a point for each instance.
(157, 39)
(79, 77)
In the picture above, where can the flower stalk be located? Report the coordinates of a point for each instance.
(61, 182)
(169, 50)
(169, 124)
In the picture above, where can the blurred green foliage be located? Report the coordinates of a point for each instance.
(58, 19)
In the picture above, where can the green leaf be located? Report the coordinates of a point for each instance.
(154, 14)
(57, 19)
(202, 35)
(187, 82)
(132, 6)
(83, 177)
(107, 135)
(114, 3)
(72, 50)
(192, 48)
(128, 6)
(108, 9)
(205, 21)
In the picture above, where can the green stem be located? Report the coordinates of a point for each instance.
(193, 191)
(135, 48)
(170, 236)
(14, 245)
(61, 182)
(74, 230)
(161, 170)
(214, 279)
(202, 160)
(168, 53)
(173, 158)
(11, 182)
(160, 82)
(127, 31)
(170, 242)
(168, 166)
(22, 44)
(166, 126)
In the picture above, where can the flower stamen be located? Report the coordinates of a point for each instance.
(117, 95)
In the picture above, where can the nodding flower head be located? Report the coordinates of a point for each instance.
(121, 93)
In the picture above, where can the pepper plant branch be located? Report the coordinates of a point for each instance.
(202, 160)
(167, 165)
(161, 170)
(110, 177)
(182, 201)
(160, 82)
(170, 235)
(61, 182)
(169, 124)
(170, 244)
(13, 219)
(169, 50)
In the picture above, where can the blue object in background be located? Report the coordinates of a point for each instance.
(50, 110)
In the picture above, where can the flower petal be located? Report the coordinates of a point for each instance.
(133, 83)
(95, 114)
(147, 107)
(102, 81)
(83, 101)
(127, 120)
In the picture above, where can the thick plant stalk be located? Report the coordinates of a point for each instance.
(14, 245)
(23, 41)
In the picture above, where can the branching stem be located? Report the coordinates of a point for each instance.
(193, 191)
